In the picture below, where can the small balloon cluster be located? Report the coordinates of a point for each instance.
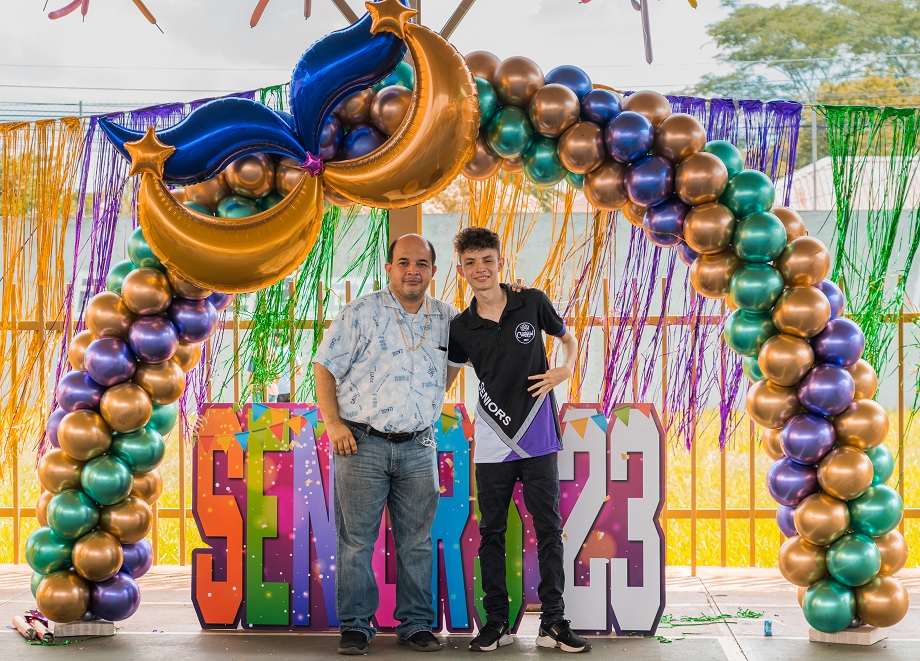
(114, 408)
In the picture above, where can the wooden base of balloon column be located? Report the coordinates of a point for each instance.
(864, 635)
(80, 628)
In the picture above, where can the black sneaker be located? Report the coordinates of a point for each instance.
(352, 642)
(492, 636)
(559, 634)
(421, 641)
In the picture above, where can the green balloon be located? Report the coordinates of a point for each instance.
(877, 511)
(748, 192)
(164, 418)
(509, 132)
(882, 464)
(270, 200)
(854, 559)
(829, 606)
(402, 75)
(141, 450)
(116, 276)
(746, 331)
(759, 237)
(107, 479)
(199, 207)
(756, 287)
(751, 367)
(728, 154)
(488, 100)
(576, 181)
(541, 162)
(237, 206)
(72, 514)
(47, 552)
(37, 578)
(140, 253)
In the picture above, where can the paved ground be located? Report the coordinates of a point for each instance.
(165, 627)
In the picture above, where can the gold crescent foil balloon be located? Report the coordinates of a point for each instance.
(208, 192)
(678, 136)
(288, 175)
(710, 227)
(108, 316)
(84, 435)
(62, 596)
(484, 163)
(653, 105)
(865, 379)
(252, 175)
(41, 507)
(513, 165)
(148, 486)
(882, 602)
(517, 79)
(785, 359)
(76, 348)
(894, 551)
(863, 424)
(187, 355)
(712, 274)
(226, 255)
(390, 107)
(434, 142)
(605, 187)
(634, 213)
(581, 148)
(337, 199)
(58, 471)
(164, 382)
(700, 179)
(97, 556)
(795, 226)
(772, 446)
(356, 109)
(483, 64)
(770, 405)
(845, 472)
(821, 519)
(804, 263)
(553, 109)
(146, 291)
(186, 289)
(801, 311)
(179, 194)
(801, 562)
(126, 407)
(128, 520)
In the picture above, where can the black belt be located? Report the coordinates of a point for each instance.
(392, 437)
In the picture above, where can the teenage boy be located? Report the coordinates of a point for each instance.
(517, 431)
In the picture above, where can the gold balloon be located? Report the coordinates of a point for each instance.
(553, 109)
(97, 556)
(635, 213)
(517, 79)
(882, 602)
(125, 407)
(894, 552)
(484, 163)
(800, 595)
(483, 64)
(62, 596)
(76, 348)
(605, 187)
(785, 359)
(164, 382)
(801, 562)
(356, 109)
(653, 105)
(795, 226)
(108, 316)
(804, 263)
(148, 486)
(431, 146)
(252, 175)
(862, 425)
(581, 148)
(186, 289)
(678, 136)
(337, 199)
(84, 435)
(865, 378)
(389, 108)
(187, 355)
(821, 519)
(58, 471)
(208, 192)
(146, 291)
(772, 446)
(701, 178)
(709, 228)
(128, 520)
(770, 405)
(41, 507)
(801, 311)
(712, 274)
(513, 165)
(288, 175)
(845, 472)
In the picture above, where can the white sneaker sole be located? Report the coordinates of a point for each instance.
(507, 639)
(548, 641)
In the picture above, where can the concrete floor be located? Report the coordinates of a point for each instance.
(166, 627)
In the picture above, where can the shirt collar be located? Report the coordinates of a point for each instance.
(389, 300)
(513, 302)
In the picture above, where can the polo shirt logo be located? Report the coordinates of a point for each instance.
(525, 333)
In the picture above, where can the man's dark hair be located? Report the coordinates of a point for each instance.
(476, 238)
(393, 246)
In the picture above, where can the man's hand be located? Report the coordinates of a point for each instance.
(546, 382)
(341, 440)
(516, 287)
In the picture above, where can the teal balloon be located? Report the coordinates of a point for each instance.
(140, 253)
(116, 276)
(746, 331)
(877, 511)
(237, 206)
(854, 559)
(141, 450)
(37, 578)
(759, 237)
(829, 606)
(270, 200)
(728, 154)
(576, 181)
(164, 418)
(72, 514)
(509, 132)
(199, 207)
(48, 552)
(756, 287)
(107, 479)
(402, 75)
(751, 367)
(748, 192)
(541, 162)
(488, 100)
(882, 464)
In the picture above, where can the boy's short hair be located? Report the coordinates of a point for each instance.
(477, 238)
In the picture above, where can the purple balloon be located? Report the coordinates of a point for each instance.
(361, 140)
(116, 598)
(785, 519)
(629, 136)
(194, 320)
(834, 295)
(153, 339)
(687, 254)
(138, 558)
(572, 77)
(109, 361)
(78, 391)
(826, 390)
(789, 481)
(51, 427)
(220, 301)
(331, 138)
(806, 438)
(650, 180)
(664, 223)
(840, 343)
(600, 106)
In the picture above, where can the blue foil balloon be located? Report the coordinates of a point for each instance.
(826, 390)
(806, 438)
(789, 482)
(650, 180)
(840, 343)
(629, 136)
(834, 295)
(664, 223)
(361, 140)
(572, 77)
(600, 106)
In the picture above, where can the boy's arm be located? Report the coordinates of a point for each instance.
(543, 383)
(452, 373)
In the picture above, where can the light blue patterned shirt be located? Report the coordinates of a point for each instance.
(379, 381)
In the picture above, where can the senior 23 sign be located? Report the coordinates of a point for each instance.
(263, 505)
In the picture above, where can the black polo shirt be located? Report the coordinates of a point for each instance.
(511, 424)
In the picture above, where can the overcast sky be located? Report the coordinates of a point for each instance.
(208, 48)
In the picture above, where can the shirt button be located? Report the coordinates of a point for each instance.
(498, 327)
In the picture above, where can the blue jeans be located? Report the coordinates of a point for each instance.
(404, 477)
